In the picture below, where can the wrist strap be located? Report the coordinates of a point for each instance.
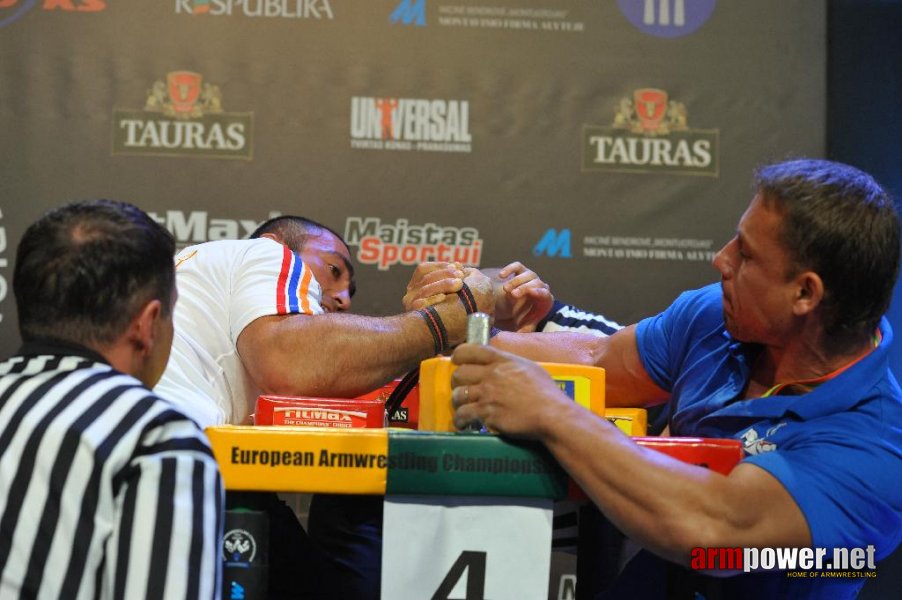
(436, 328)
(467, 299)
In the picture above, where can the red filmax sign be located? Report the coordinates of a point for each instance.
(341, 413)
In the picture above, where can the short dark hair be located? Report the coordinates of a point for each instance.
(294, 232)
(85, 269)
(841, 224)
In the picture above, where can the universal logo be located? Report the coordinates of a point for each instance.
(650, 134)
(410, 124)
(183, 116)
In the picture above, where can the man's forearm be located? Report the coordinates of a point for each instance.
(666, 505)
(626, 383)
(341, 354)
(573, 348)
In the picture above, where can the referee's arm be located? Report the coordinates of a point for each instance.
(170, 514)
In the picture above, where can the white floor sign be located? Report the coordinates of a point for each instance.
(466, 548)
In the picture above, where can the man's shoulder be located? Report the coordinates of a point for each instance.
(705, 299)
(215, 247)
(694, 312)
(229, 255)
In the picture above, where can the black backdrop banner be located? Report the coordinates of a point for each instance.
(609, 145)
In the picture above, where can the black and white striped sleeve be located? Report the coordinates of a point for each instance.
(565, 317)
(165, 543)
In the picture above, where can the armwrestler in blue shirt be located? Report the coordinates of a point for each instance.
(789, 354)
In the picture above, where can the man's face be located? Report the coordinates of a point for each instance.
(757, 294)
(328, 258)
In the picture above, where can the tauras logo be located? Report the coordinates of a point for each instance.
(410, 124)
(286, 9)
(650, 134)
(196, 226)
(183, 116)
(4, 286)
(387, 244)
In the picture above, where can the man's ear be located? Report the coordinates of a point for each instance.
(142, 330)
(809, 292)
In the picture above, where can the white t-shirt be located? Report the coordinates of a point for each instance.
(223, 286)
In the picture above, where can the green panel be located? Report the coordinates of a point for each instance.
(470, 464)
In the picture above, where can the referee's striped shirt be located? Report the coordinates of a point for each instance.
(106, 491)
(565, 317)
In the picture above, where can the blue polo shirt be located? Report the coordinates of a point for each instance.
(836, 449)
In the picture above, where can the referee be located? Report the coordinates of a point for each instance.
(107, 490)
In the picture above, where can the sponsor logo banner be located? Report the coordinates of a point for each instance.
(650, 134)
(547, 20)
(12, 10)
(410, 124)
(410, 12)
(183, 116)
(196, 226)
(388, 244)
(648, 248)
(285, 9)
(560, 243)
(667, 18)
(554, 243)
(511, 18)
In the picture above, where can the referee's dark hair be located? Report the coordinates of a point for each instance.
(85, 269)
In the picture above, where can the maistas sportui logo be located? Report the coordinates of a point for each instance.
(385, 244)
